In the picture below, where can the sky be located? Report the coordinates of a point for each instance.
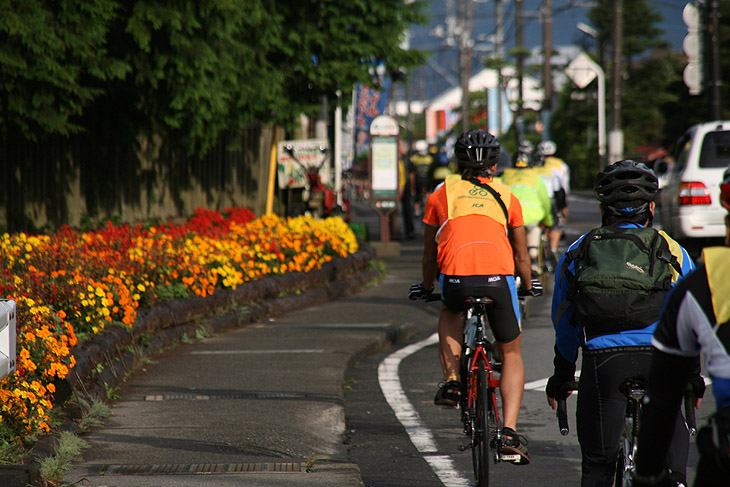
(441, 71)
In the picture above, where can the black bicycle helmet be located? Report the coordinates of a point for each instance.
(477, 148)
(628, 186)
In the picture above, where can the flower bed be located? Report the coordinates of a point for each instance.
(70, 285)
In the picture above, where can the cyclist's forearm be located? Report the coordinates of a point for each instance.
(521, 257)
(429, 264)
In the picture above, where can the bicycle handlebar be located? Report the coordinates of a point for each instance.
(562, 411)
(689, 411)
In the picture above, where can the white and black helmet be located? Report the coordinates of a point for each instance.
(477, 148)
(546, 148)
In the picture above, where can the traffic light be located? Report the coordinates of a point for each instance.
(692, 46)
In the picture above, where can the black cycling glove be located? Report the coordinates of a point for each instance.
(564, 372)
(418, 292)
(536, 287)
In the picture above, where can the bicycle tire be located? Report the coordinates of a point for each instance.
(481, 438)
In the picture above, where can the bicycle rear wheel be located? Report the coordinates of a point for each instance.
(623, 476)
(481, 434)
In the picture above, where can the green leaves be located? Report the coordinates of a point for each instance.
(50, 59)
(187, 70)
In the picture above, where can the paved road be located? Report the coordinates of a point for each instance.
(265, 404)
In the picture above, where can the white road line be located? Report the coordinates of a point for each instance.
(420, 435)
(540, 384)
(255, 352)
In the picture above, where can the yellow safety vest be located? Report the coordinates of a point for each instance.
(717, 264)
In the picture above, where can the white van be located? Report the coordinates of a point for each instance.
(690, 203)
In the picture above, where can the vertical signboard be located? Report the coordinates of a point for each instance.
(384, 182)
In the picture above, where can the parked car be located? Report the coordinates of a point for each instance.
(663, 169)
(690, 207)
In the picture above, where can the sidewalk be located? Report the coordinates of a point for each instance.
(261, 404)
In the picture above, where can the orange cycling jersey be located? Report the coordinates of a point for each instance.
(472, 236)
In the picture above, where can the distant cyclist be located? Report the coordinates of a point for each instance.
(558, 172)
(441, 168)
(474, 239)
(696, 318)
(525, 183)
(421, 166)
(609, 288)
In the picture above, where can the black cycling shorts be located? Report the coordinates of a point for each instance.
(504, 319)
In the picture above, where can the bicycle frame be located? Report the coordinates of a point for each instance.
(477, 359)
(634, 391)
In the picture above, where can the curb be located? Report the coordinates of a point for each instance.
(118, 349)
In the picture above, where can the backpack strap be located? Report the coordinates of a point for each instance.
(491, 191)
(579, 252)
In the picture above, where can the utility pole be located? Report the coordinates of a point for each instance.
(499, 17)
(616, 136)
(464, 14)
(520, 72)
(713, 21)
(547, 74)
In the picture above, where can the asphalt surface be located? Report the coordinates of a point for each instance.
(261, 404)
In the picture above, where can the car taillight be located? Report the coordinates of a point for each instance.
(694, 193)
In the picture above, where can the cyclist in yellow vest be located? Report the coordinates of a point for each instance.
(557, 172)
(527, 185)
(695, 318)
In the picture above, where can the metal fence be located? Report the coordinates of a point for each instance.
(80, 181)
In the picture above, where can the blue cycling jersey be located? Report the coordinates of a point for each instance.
(569, 336)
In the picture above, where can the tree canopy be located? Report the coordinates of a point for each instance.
(192, 68)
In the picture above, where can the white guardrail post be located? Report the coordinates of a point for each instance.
(8, 341)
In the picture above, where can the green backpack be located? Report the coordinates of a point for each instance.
(622, 276)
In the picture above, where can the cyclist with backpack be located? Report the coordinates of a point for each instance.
(474, 240)
(609, 288)
(696, 318)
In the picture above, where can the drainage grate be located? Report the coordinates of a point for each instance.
(203, 468)
(208, 397)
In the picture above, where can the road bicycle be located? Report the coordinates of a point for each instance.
(633, 389)
(479, 364)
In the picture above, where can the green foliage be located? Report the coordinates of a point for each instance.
(200, 68)
(640, 31)
(172, 291)
(328, 45)
(68, 450)
(53, 61)
(94, 412)
(656, 105)
(189, 71)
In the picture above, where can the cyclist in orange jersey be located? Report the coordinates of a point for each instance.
(474, 240)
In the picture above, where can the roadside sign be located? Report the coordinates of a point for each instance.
(581, 70)
(384, 131)
(309, 152)
(385, 204)
(384, 167)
